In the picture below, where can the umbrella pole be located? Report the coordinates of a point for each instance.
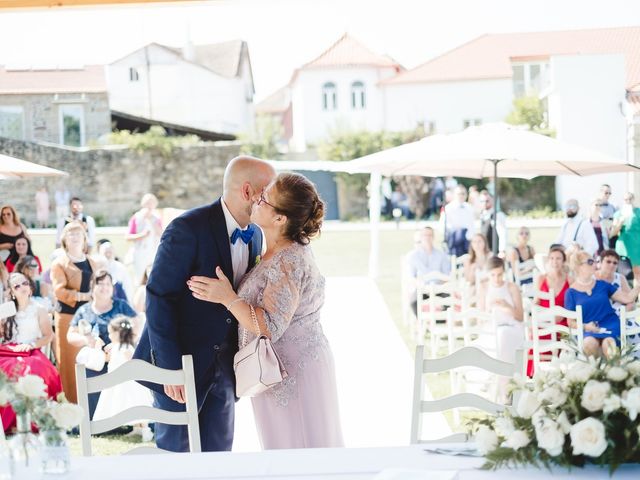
(494, 231)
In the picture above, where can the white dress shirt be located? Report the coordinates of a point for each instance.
(239, 250)
(458, 216)
(579, 230)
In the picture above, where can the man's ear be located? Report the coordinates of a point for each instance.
(247, 191)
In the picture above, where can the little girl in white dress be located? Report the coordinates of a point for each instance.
(126, 395)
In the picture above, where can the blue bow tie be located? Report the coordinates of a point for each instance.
(245, 235)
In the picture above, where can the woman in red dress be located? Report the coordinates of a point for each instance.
(23, 335)
(554, 279)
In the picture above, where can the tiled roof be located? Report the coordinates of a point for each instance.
(222, 58)
(277, 102)
(490, 56)
(348, 52)
(89, 79)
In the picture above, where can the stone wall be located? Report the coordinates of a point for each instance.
(111, 180)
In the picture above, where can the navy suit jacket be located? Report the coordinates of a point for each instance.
(195, 243)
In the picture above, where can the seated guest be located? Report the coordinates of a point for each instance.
(90, 323)
(600, 320)
(10, 229)
(475, 266)
(522, 252)
(22, 336)
(425, 258)
(29, 267)
(21, 249)
(504, 300)
(608, 264)
(554, 279)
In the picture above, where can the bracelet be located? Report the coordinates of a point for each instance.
(239, 299)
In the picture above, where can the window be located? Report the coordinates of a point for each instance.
(357, 96)
(329, 96)
(134, 76)
(11, 122)
(529, 78)
(472, 123)
(71, 125)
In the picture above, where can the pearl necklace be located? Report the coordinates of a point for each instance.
(589, 285)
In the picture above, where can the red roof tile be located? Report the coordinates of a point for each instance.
(490, 55)
(88, 79)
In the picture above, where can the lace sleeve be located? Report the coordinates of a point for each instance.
(281, 295)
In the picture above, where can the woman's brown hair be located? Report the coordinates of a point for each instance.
(298, 199)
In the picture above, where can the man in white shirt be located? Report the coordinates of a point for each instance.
(577, 230)
(77, 215)
(459, 223)
(424, 259)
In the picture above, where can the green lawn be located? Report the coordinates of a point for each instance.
(339, 253)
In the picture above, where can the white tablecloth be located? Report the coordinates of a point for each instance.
(338, 463)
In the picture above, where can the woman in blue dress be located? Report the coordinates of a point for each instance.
(600, 320)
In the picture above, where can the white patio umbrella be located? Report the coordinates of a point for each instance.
(482, 151)
(11, 167)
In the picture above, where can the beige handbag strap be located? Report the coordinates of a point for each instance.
(254, 317)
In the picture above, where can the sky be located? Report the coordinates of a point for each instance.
(284, 34)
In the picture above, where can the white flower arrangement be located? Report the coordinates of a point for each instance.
(575, 412)
(27, 394)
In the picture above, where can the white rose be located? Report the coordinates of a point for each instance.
(486, 440)
(31, 386)
(517, 440)
(611, 404)
(587, 437)
(550, 437)
(634, 367)
(617, 374)
(553, 396)
(630, 383)
(580, 372)
(66, 415)
(505, 426)
(564, 422)
(631, 402)
(594, 395)
(527, 404)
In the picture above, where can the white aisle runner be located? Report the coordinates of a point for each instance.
(373, 366)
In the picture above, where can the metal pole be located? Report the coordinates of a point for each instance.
(494, 231)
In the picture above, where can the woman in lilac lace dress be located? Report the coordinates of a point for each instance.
(286, 290)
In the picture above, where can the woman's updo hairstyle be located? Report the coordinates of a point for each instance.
(576, 259)
(298, 199)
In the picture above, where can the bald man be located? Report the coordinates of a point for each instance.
(196, 243)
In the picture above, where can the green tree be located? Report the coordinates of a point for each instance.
(540, 192)
(263, 142)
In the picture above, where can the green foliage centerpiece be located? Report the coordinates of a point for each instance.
(575, 412)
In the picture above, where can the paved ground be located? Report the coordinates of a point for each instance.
(374, 370)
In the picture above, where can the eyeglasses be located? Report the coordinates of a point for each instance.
(20, 285)
(263, 200)
(589, 262)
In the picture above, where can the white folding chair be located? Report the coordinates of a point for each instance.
(465, 357)
(543, 323)
(629, 328)
(139, 370)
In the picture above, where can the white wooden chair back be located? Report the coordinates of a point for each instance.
(139, 370)
(519, 274)
(457, 264)
(629, 327)
(549, 296)
(543, 323)
(465, 357)
(432, 311)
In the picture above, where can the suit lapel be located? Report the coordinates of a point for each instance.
(255, 248)
(221, 237)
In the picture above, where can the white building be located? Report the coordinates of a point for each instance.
(337, 90)
(590, 80)
(209, 87)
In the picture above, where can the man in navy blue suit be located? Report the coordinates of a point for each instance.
(177, 324)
